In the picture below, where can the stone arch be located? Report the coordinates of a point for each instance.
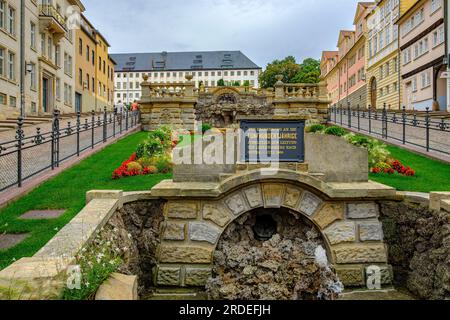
(349, 228)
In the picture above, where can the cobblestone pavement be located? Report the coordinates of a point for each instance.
(415, 136)
(38, 158)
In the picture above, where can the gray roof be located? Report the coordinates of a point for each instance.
(182, 61)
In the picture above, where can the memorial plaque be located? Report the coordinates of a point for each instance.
(273, 141)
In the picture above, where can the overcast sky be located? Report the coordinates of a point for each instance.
(263, 29)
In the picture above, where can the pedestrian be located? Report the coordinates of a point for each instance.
(135, 106)
(120, 109)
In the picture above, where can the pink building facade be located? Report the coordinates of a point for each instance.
(422, 52)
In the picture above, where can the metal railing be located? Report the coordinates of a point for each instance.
(27, 156)
(48, 10)
(419, 129)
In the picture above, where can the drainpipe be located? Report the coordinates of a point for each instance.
(447, 53)
(22, 58)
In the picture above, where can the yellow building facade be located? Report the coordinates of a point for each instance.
(94, 87)
(382, 51)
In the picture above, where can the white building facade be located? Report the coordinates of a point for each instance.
(208, 68)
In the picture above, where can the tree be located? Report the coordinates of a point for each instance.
(287, 67)
(292, 72)
(309, 73)
(236, 84)
(247, 83)
(221, 83)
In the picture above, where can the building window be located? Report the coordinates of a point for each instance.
(80, 77)
(426, 79)
(414, 85)
(88, 77)
(12, 101)
(2, 99)
(58, 55)
(11, 20)
(93, 57)
(11, 66)
(58, 88)
(32, 35)
(50, 48)
(43, 47)
(2, 15)
(435, 5)
(80, 47)
(2, 61)
(88, 50)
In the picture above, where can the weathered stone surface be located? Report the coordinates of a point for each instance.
(273, 195)
(216, 213)
(362, 210)
(292, 197)
(182, 210)
(118, 287)
(236, 204)
(174, 231)
(203, 232)
(254, 196)
(310, 203)
(361, 253)
(371, 231)
(341, 232)
(197, 277)
(351, 276)
(191, 254)
(168, 276)
(330, 213)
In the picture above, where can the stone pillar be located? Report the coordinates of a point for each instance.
(168, 104)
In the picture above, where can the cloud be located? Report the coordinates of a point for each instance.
(263, 29)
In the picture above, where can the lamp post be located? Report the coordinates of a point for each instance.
(22, 58)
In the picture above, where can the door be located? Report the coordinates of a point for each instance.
(45, 92)
(373, 93)
(408, 96)
(78, 102)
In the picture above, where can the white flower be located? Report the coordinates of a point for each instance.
(56, 229)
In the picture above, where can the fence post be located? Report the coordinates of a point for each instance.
(370, 119)
(78, 132)
(19, 138)
(126, 121)
(55, 139)
(427, 123)
(359, 117)
(105, 120)
(384, 122)
(349, 115)
(404, 124)
(114, 121)
(93, 128)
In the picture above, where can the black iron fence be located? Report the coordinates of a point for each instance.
(26, 156)
(423, 130)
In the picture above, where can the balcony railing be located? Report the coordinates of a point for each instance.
(50, 11)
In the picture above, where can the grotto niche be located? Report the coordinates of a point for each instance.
(272, 254)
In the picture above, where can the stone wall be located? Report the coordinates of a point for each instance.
(359, 97)
(419, 247)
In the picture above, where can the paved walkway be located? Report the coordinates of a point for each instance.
(38, 158)
(415, 136)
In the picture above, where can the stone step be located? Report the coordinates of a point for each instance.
(176, 294)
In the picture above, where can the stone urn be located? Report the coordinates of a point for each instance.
(189, 77)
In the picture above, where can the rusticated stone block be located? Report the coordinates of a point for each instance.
(182, 210)
(371, 231)
(254, 196)
(174, 231)
(216, 213)
(361, 253)
(330, 213)
(351, 276)
(341, 232)
(203, 232)
(362, 210)
(273, 195)
(191, 254)
(236, 204)
(168, 276)
(309, 203)
(197, 277)
(292, 197)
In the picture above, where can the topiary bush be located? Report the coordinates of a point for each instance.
(206, 127)
(335, 131)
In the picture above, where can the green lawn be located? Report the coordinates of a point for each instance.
(68, 191)
(430, 176)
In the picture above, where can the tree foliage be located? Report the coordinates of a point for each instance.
(221, 83)
(292, 72)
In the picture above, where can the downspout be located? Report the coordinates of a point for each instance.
(447, 55)
(22, 58)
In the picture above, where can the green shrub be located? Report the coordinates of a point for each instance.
(145, 162)
(206, 128)
(158, 142)
(335, 131)
(378, 152)
(163, 163)
(315, 128)
(221, 83)
(134, 166)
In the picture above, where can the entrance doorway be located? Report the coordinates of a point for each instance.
(45, 95)
(373, 93)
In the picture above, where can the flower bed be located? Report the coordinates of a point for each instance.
(380, 161)
(151, 157)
